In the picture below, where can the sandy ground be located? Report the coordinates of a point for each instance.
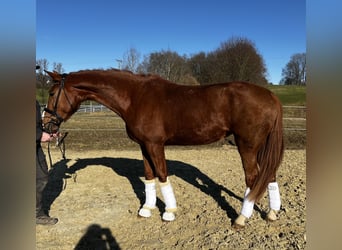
(98, 205)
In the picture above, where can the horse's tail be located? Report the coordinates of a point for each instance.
(269, 157)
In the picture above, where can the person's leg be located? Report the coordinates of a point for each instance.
(41, 181)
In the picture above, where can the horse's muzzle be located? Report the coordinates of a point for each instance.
(51, 127)
(52, 123)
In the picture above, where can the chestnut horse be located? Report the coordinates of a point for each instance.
(158, 113)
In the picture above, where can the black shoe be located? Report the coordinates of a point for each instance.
(46, 220)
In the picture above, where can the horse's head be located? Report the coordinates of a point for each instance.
(62, 102)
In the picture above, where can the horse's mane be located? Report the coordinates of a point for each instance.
(123, 72)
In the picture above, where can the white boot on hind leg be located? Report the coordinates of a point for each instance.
(170, 201)
(274, 201)
(151, 199)
(246, 211)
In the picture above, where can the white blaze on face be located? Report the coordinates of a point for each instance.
(43, 115)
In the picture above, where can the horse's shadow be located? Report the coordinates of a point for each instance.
(132, 169)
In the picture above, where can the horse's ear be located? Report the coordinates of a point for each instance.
(54, 75)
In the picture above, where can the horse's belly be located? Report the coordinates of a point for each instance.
(197, 137)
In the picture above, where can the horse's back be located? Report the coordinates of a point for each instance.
(223, 98)
(190, 115)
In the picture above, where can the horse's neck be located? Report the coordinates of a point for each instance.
(115, 95)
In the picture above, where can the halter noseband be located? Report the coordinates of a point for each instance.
(58, 119)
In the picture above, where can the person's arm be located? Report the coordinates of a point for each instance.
(39, 127)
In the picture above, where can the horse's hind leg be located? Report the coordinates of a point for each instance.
(274, 200)
(250, 166)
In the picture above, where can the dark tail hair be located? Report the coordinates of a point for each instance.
(269, 158)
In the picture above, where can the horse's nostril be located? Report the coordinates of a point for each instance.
(51, 127)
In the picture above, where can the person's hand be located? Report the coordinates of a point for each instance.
(46, 137)
(56, 135)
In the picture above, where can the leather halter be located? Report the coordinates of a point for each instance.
(58, 119)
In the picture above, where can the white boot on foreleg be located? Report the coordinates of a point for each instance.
(274, 200)
(246, 210)
(169, 199)
(151, 198)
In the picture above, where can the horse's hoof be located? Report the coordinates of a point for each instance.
(144, 212)
(239, 223)
(168, 216)
(271, 216)
(238, 226)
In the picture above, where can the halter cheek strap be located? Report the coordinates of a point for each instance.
(54, 111)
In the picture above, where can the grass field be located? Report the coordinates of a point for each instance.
(290, 95)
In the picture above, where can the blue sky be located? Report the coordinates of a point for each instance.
(93, 34)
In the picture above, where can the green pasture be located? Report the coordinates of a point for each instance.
(290, 95)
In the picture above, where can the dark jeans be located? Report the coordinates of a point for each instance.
(41, 179)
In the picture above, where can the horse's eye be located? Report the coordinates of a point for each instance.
(51, 94)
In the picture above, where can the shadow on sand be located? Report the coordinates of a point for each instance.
(98, 238)
(132, 169)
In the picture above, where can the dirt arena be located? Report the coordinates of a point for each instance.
(97, 206)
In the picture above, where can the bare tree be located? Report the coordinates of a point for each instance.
(42, 79)
(188, 79)
(200, 67)
(239, 60)
(294, 72)
(131, 60)
(235, 60)
(58, 67)
(44, 65)
(167, 64)
(143, 66)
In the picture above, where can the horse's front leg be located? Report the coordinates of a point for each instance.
(150, 186)
(155, 165)
(169, 199)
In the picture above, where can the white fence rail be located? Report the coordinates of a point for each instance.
(294, 116)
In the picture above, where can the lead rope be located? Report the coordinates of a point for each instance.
(61, 145)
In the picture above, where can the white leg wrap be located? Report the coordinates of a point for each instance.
(169, 199)
(151, 198)
(150, 192)
(247, 205)
(274, 196)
